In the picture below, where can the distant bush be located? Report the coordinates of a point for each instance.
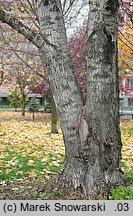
(33, 105)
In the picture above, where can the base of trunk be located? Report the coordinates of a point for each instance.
(54, 128)
(89, 180)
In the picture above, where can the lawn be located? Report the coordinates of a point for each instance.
(27, 148)
(29, 151)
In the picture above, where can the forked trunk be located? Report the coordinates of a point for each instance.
(91, 131)
(97, 165)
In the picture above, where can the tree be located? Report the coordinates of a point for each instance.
(44, 89)
(102, 103)
(14, 97)
(54, 116)
(90, 128)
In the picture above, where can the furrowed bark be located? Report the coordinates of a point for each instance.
(100, 148)
(65, 91)
(97, 165)
(63, 83)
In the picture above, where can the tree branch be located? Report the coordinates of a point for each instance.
(36, 38)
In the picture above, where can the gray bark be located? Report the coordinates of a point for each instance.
(101, 149)
(64, 87)
(97, 164)
(37, 39)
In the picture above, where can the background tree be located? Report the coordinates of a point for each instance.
(45, 91)
(15, 98)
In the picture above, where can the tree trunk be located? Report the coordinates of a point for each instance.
(2, 71)
(23, 104)
(102, 105)
(33, 116)
(54, 117)
(63, 83)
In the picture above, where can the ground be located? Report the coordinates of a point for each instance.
(31, 158)
(35, 189)
(47, 189)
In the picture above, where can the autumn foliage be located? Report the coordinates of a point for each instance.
(125, 48)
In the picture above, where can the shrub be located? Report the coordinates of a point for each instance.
(121, 193)
(33, 105)
(14, 97)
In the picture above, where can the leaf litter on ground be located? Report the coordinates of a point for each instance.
(28, 151)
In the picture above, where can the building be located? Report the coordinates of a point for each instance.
(5, 88)
(126, 81)
(126, 93)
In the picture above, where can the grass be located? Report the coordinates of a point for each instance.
(129, 175)
(8, 107)
(5, 107)
(121, 193)
(20, 166)
(27, 167)
(47, 196)
(29, 151)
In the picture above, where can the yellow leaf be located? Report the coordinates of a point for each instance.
(1, 164)
(31, 163)
(32, 174)
(8, 170)
(8, 165)
(15, 188)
